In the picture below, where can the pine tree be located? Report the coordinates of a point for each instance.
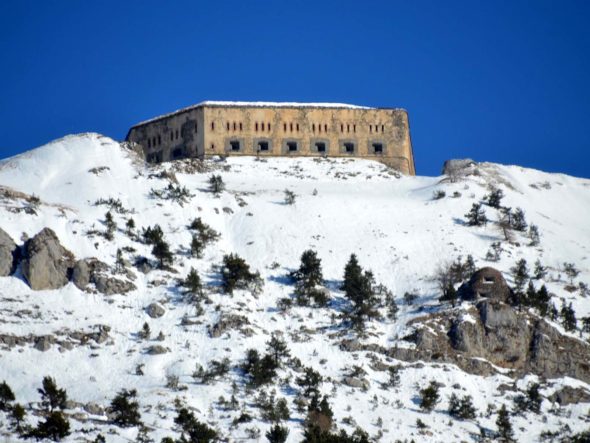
(111, 225)
(289, 197)
(51, 396)
(359, 290)
(450, 294)
(126, 409)
(161, 251)
(543, 300)
(17, 417)
(571, 271)
(278, 349)
(130, 225)
(310, 382)
(461, 408)
(55, 427)
(394, 376)
(119, 261)
(236, 274)
(6, 396)
(520, 273)
(216, 184)
(504, 425)
(534, 235)
(518, 220)
(469, 266)
(540, 271)
(277, 434)
(192, 286)
(534, 398)
(476, 216)
(568, 317)
(429, 397)
(494, 198)
(307, 278)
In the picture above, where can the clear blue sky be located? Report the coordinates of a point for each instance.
(502, 81)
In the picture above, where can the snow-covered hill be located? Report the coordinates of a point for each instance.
(391, 222)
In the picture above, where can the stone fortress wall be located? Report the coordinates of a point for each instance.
(278, 129)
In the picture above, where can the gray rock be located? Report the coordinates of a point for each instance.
(458, 167)
(356, 383)
(44, 343)
(155, 310)
(8, 254)
(92, 271)
(46, 263)
(228, 322)
(156, 350)
(568, 395)
(93, 408)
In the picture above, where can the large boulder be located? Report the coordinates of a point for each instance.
(458, 168)
(155, 310)
(46, 263)
(8, 254)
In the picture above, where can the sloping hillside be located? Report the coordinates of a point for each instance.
(393, 225)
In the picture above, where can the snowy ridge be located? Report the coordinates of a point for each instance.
(342, 206)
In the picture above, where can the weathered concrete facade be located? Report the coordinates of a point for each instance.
(278, 129)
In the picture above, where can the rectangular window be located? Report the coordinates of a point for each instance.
(213, 126)
(159, 140)
(263, 146)
(382, 128)
(196, 127)
(291, 127)
(320, 146)
(268, 126)
(177, 153)
(234, 145)
(347, 128)
(227, 126)
(297, 127)
(292, 146)
(341, 127)
(234, 126)
(325, 128)
(320, 128)
(256, 126)
(285, 127)
(353, 128)
(378, 148)
(349, 147)
(240, 126)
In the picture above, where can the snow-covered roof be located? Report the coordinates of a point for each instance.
(214, 103)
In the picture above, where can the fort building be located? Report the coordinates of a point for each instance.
(278, 129)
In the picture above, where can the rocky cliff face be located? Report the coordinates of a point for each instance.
(8, 254)
(505, 338)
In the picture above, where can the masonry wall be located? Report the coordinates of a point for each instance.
(378, 134)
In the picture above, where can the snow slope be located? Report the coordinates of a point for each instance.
(392, 223)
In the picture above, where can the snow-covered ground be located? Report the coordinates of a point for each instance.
(391, 222)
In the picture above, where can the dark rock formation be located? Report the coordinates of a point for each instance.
(156, 350)
(46, 263)
(486, 283)
(493, 333)
(8, 254)
(568, 395)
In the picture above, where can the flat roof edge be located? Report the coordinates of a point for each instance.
(213, 104)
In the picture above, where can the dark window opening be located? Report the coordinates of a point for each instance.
(263, 146)
(291, 127)
(292, 146)
(235, 126)
(177, 153)
(378, 148)
(159, 140)
(268, 126)
(212, 145)
(313, 127)
(320, 128)
(382, 128)
(256, 126)
(488, 280)
(353, 128)
(172, 135)
(347, 128)
(234, 145)
(320, 146)
(370, 128)
(285, 127)
(325, 128)
(177, 134)
(227, 126)
(213, 126)
(240, 126)
(297, 127)
(349, 147)
(196, 127)
(149, 142)
(154, 141)
(341, 127)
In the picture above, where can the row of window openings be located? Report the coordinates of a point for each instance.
(292, 146)
(290, 126)
(174, 135)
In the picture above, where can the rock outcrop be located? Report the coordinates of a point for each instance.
(458, 167)
(8, 254)
(46, 263)
(492, 333)
(155, 310)
(92, 271)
